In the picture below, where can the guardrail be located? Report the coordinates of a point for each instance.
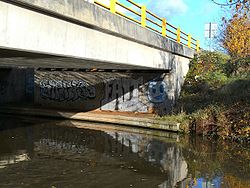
(148, 19)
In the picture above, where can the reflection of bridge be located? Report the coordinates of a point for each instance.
(13, 159)
(77, 55)
(131, 151)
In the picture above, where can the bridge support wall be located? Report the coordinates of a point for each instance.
(83, 30)
(84, 91)
(16, 85)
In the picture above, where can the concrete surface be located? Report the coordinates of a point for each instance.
(61, 30)
(84, 91)
(119, 119)
(152, 92)
(40, 62)
(16, 85)
(84, 30)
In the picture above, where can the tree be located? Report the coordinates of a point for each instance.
(235, 30)
(235, 37)
(239, 3)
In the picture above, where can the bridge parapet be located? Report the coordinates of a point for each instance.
(140, 15)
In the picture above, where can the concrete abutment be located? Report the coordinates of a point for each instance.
(89, 37)
(85, 91)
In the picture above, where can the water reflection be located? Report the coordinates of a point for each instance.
(46, 153)
(12, 159)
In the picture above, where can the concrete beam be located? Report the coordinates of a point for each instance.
(81, 29)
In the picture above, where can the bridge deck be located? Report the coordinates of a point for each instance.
(72, 64)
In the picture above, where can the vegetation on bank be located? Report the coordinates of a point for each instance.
(215, 97)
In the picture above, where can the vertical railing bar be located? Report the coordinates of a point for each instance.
(178, 35)
(164, 27)
(143, 16)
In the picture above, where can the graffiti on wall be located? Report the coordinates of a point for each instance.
(3, 88)
(157, 91)
(122, 94)
(66, 90)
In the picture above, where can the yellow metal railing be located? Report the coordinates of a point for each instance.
(149, 20)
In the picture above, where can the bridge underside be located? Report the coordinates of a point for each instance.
(84, 85)
(81, 57)
(82, 30)
(16, 58)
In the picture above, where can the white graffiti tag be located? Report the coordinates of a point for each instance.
(66, 90)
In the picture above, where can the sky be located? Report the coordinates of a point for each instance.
(190, 15)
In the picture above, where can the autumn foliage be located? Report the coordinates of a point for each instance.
(235, 35)
(236, 38)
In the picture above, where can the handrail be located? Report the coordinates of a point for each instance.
(155, 30)
(102, 5)
(153, 22)
(184, 33)
(154, 15)
(193, 43)
(133, 3)
(171, 32)
(172, 26)
(129, 9)
(193, 39)
(184, 38)
(128, 17)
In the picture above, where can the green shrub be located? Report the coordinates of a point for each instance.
(208, 67)
(236, 67)
(215, 99)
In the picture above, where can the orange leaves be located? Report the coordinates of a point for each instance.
(237, 36)
(235, 30)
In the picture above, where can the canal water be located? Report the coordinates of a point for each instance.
(57, 154)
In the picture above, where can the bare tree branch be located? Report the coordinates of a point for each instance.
(227, 3)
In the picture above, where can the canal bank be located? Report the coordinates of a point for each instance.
(142, 120)
(215, 98)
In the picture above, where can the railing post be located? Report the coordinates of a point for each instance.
(112, 6)
(197, 45)
(189, 41)
(143, 16)
(164, 27)
(178, 34)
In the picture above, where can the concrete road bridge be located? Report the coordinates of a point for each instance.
(87, 55)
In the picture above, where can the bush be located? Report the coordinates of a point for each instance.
(237, 67)
(208, 67)
(215, 99)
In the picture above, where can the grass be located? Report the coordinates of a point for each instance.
(215, 104)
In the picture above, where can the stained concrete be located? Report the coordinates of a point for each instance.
(16, 85)
(127, 92)
(88, 91)
(80, 35)
(95, 116)
(42, 61)
(84, 30)
(97, 18)
(148, 92)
